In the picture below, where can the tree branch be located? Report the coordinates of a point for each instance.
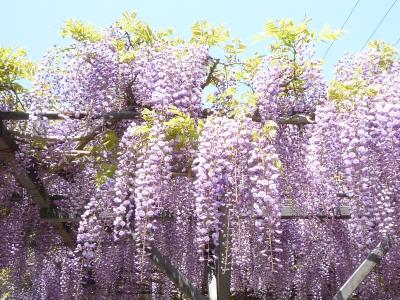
(210, 74)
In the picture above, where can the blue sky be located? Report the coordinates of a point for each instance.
(35, 24)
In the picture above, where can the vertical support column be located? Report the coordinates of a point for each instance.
(212, 284)
(224, 264)
(220, 283)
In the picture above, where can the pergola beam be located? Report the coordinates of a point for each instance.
(297, 119)
(366, 267)
(290, 212)
(287, 213)
(20, 116)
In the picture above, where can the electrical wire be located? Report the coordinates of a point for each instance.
(341, 28)
(379, 24)
(398, 40)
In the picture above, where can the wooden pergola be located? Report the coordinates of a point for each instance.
(219, 284)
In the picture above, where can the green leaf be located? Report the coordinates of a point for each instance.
(205, 34)
(235, 47)
(269, 129)
(271, 29)
(196, 29)
(388, 54)
(80, 31)
(251, 99)
(14, 66)
(288, 33)
(106, 171)
(111, 140)
(142, 130)
(148, 115)
(327, 34)
(344, 94)
(181, 128)
(139, 32)
(278, 164)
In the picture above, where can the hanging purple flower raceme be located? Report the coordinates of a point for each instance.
(357, 138)
(151, 177)
(288, 85)
(237, 197)
(124, 201)
(171, 76)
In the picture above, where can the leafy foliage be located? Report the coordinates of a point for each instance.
(4, 282)
(14, 66)
(235, 47)
(145, 128)
(110, 140)
(341, 92)
(388, 53)
(105, 171)
(288, 34)
(328, 34)
(183, 129)
(139, 31)
(269, 130)
(105, 153)
(206, 34)
(80, 31)
(345, 92)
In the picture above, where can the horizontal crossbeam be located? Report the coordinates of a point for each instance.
(297, 119)
(290, 212)
(19, 116)
(287, 212)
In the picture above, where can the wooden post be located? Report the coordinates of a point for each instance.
(212, 284)
(224, 263)
(364, 269)
(220, 276)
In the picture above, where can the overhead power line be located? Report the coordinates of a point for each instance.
(341, 28)
(379, 24)
(398, 40)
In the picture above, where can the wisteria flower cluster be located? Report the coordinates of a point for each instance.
(209, 191)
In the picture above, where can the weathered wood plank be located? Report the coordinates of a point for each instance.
(297, 119)
(223, 265)
(290, 212)
(55, 216)
(19, 116)
(287, 212)
(364, 269)
(179, 279)
(212, 284)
